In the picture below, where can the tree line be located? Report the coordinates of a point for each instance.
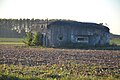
(17, 27)
(20, 24)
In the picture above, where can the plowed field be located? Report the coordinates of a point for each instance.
(10, 54)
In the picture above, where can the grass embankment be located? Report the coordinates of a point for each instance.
(114, 44)
(11, 41)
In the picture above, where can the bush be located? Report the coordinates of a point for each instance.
(36, 40)
(33, 39)
(28, 39)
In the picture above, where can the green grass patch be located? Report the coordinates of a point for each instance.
(11, 40)
(115, 41)
(11, 43)
(70, 71)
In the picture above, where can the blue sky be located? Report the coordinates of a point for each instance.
(97, 11)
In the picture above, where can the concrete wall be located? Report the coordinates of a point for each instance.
(59, 35)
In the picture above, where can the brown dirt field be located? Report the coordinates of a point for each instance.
(11, 54)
